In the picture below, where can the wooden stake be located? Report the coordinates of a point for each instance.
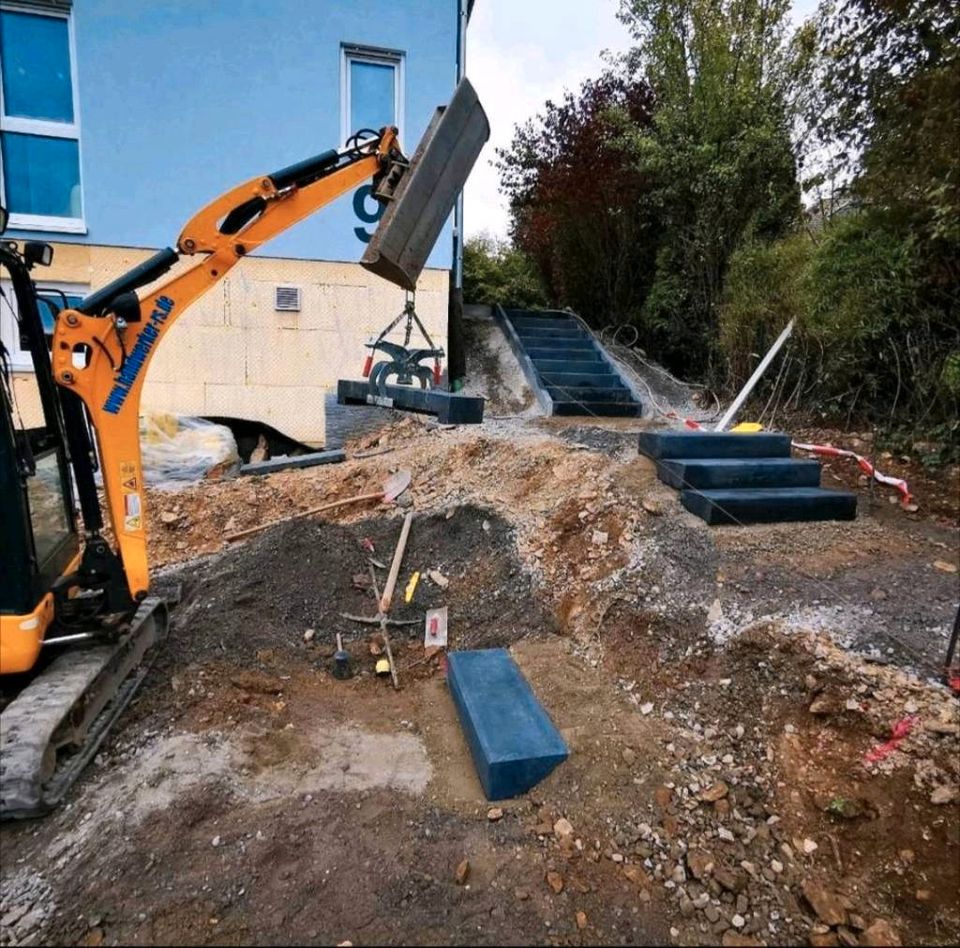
(383, 631)
(379, 495)
(387, 599)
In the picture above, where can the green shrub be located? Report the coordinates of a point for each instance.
(496, 273)
(877, 338)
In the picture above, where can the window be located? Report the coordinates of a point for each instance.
(371, 89)
(39, 118)
(53, 298)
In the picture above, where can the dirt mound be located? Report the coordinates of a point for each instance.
(305, 574)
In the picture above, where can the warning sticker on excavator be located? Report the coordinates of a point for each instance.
(130, 484)
(132, 511)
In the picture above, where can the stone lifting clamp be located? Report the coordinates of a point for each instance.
(402, 362)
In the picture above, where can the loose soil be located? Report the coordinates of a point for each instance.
(719, 690)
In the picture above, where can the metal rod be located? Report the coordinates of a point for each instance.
(744, 394)
(62, 639)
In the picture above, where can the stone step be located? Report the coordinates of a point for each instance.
(560, 354)
(601, 409)
(541, 322)
(714, 444)
(601, 378)
(571, 332)
(511, 737)
(708, 473)
(588, 393)
(551, 365)
(551, 342)
(770, 505)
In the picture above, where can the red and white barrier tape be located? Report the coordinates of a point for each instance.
(828, 450)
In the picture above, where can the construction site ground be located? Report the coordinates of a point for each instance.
(720, 690)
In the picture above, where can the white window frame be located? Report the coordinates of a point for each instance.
(47, 129)
(355, 52)
(20, 359)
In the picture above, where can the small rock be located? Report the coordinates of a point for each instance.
(942, 727)
(732, 939)
(309, 634)
(581, 920)
(712, 913)
(629, 755)
(943, 795)
(636, 875)
(563, 827)
(555, 881)
(823, 940)
(827, 905)
(438, 579)
(521, 895)
(494, 813)
(653, 508)
(699, 863)
(809, 846)
(168, 517)
(924, 895)
(847, 937)
(715, 792)
(463, 872)
(880, 934)
(852, 704)
(776, 866)
(486, 526)
(702, 900)
(738, 921)
(646, 708)
(941, 565)
(616, 857)
(215, 841)
(822, 705)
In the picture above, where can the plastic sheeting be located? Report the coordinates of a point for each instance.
(179, 450)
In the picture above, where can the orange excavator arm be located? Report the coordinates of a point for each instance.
(102, 349)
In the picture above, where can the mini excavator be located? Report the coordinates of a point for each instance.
(78, 626)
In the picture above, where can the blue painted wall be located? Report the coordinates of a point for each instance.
(181, 100)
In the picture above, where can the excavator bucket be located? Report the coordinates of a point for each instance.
(427, 190)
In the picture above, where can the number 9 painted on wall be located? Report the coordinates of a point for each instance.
(360, 208)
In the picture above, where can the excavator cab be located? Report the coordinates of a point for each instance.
(40, 538)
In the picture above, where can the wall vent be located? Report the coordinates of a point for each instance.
(287, 299)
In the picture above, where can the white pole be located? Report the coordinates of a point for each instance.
(731, 412)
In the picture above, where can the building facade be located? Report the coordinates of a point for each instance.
(119, 119)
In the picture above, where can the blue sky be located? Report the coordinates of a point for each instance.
(521, 53)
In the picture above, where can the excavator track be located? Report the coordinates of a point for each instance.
(53, 728)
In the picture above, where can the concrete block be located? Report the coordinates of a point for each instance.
(296, 461)
(714, 444)
(449, 407)
(710, 473)
(770, 505)
(512, 739)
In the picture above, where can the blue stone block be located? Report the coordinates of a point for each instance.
(513, 741)
(770, 505)
(711, 473)
(714, 444)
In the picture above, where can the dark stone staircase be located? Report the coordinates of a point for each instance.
(724, 477)
(565, 366)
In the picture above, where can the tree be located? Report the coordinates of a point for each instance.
(495, 273)
(579, 205)
(719, 154)
(891, 87)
